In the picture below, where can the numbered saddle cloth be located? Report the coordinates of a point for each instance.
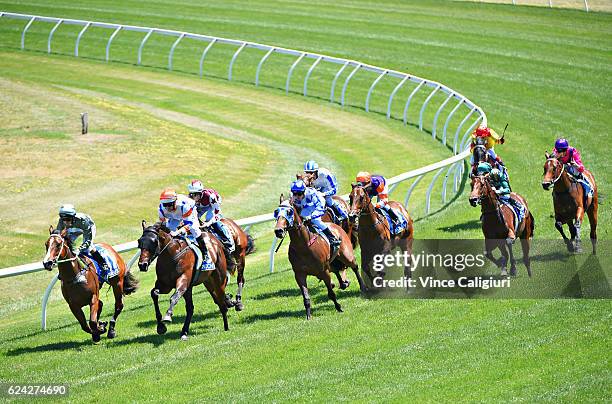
(201, 264)
(104, 276)
(517, 209)
(398, 227)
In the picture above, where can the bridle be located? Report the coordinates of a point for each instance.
(56, 260)
(553, 182)
(157, 252)
(363, 212)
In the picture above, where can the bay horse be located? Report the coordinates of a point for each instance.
(330, 216)
(309, 253)
(374, 234)
(175, 270)
(499, 224)
(569, 202)
(81, 287)
(245, 245)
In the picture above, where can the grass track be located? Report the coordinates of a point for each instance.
(536, 68)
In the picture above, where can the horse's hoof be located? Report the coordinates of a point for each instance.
(578, 250)
(96, 338)
(345, 285)
(161, 328)
(111, 334)
(239, 306)
(512, 271)
(504, 272)
(167, 319)
(184, 337)
(102, 326)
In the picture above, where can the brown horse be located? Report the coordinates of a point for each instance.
(245, 245)
(309, 253)
(330, 216)
(499, 224)
(80, 287)
(175, 269)
(569, 202)
(374, 234)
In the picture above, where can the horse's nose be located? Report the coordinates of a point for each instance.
(352, 217)
(144, 266)
(473, 201)
(545, 185)
(48, 265)
(278, 233)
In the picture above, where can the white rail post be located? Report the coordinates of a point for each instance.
(142, 43)
(586, 6)
(133, 260)
(316, 62)
(409, 192)
(448, 119)
(430, 188)
(371, 89)
(450, 169)
(407, 105)
(333, 85)
(110, 40)
(466, 136)
(174, 45)
(550, 3)
(261, 62)
(435, 90)
(435, 121)
(59, 22)
(45, 301)
(210, 45)
(287, 83)
(231, 66)
(27, 27)
(395, 90)
(455, 144)
(350, 76)
(78, 40)
(272, 251)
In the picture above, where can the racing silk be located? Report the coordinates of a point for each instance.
(491, 140)
(185, 213)
(81, 224)
(312, 205)
(572, 155)
(326, 183)
(378, 188)
(209, 206)
(502, 188)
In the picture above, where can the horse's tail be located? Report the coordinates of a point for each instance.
(130, 283)
(250, 248)
(532, 226)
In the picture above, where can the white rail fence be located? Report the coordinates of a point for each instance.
(453, 167)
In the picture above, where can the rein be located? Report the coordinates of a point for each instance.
(57, 260)
(560, 174)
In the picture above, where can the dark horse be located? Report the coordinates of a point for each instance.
(175, 269)
(309, 253)
(330, 216)
(81, 287)
(499, 224)
(374, 234)
(480, 154)
(569, 202)
(245, 245)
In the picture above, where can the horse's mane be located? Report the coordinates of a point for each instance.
(66, 239)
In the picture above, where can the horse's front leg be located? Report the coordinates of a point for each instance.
(240, 280)
(181, 287)
(80, 316)
(118, 294)
(94, 309)
(509, 243)
(559, 227)
(161, 327)
(578, 225)
(300, 278)
(189, 310)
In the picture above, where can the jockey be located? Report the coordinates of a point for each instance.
(81, 224)
(501, 187)
(325, 182)
(376, 186)
(571, 156)
(312, 207)
(176, 209)
(491, 139)
(208, 205)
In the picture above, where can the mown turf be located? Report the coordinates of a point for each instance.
(544, 71)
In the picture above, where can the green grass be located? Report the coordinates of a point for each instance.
(546, 72)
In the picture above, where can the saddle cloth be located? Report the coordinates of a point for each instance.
(113, 271)
(200, 264)
(395, 228)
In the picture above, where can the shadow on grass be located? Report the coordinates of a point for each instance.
(179, 319)
(469, 225)
(55, 346)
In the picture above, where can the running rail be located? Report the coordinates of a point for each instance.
(471, 114)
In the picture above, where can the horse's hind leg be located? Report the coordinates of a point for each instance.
(189, 313)
(239, 305)
(300, 278)
(330, 290)
(592, 214)
(215, 287)
(118, 293)
(94, 307)
(509, 243)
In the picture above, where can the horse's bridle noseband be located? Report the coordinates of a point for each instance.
(57, 260)
(553, 182)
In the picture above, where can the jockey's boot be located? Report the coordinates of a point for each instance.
(340, 214)
(95, 254)
(334, 242)
(203, 247)
(392, 214)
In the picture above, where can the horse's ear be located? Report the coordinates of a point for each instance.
(353, 185)
(144, 224)
(298, 176)
(547, 155)
(282, 198)
(51, 229)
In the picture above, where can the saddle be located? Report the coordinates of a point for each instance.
(111, 263)
(316, 232)
(394, 227)
(200, 263)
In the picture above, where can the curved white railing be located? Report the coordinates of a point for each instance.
(454, 166)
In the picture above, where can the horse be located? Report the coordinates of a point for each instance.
(480, 154)
(374, 234)
(330, 216)
(175, 269)
(569, 202)
(245, 245)
(81, 287)
(498, 225)
(309, 253)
